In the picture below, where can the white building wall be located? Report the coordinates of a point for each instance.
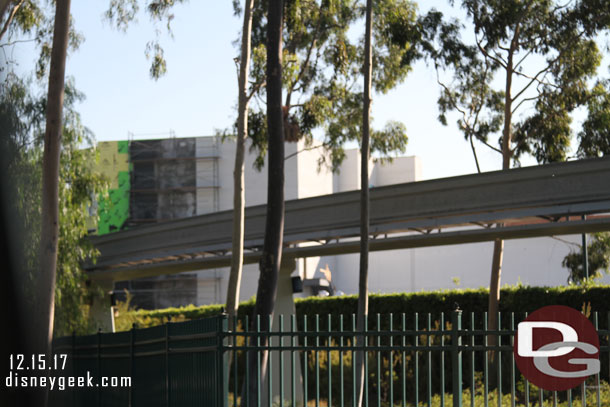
(529, 261)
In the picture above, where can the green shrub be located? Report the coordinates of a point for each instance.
(518, 299)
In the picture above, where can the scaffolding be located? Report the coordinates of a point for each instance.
(173, 178)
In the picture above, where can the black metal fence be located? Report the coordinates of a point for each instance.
(415, 360)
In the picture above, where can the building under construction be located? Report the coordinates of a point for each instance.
(155, 181)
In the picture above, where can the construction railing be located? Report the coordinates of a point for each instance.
(411, 360)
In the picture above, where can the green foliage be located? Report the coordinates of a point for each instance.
(518, 299)
(121, 13)
(595, 134)
(543, 53)
(598, 254)
(33, 20)
(78, 184)
(321, 72)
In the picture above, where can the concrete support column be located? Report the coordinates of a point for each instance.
(284, 305)
(101, 313)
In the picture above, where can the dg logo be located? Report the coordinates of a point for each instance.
(557, 348)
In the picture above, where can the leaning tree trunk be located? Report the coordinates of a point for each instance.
(363, 287)
(271, 256)
(239, 201)
(45, 283)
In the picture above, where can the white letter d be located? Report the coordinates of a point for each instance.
(525, 337)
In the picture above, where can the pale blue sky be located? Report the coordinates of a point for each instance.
(198, 94)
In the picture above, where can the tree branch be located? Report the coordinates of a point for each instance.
(257, 86)
(304, 149)
(487, 55)
(10, 18)
(522, 101)
(474, 153)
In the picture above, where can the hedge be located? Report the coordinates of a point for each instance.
(518, 299)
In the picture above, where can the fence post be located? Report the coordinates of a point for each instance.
(99, 365)
(131, 361)
(222, 362)
(167, 378)
(456, 357)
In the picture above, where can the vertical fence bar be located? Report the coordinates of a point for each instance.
(132, 342)
(269, 334)
(366, 360)
(341, 382)
(429, 355)
(317, 360)
(597, 380)
(391, 361)
(73, 357)
(305, 360)
(472, 342)
(99, 365)
(456, 354)
(235, 366)
(416, 361)
(485, 362)
(258, 361)
(442, 328)
(222, 361)
(354, 388)
(404, 363)
(499, 364)
(527, 383)
(608, 338)
(247, 342)
(512, 363)
(292, 359)
(329, 364)
(281, 361)
(378, 360)
(167, 381)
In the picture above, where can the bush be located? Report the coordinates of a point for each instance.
(518, 299)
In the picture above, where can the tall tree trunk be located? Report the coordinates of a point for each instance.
(271, 256)
(45, 283)
(496, 266)
(363, 284)
(239, 196)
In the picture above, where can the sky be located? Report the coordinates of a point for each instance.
(199, 92)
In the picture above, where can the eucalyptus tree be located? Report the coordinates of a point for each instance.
(37, 110)
(49, 234)
(271, 256)
(322, 68)
(239, 196)
(520, 79)
(363, 282)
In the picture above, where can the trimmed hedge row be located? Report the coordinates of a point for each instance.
(518, 299)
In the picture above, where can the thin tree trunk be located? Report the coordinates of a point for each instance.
(271, 256)
(363, 288)
(496, 266)
(45, 290)
(239, 198)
